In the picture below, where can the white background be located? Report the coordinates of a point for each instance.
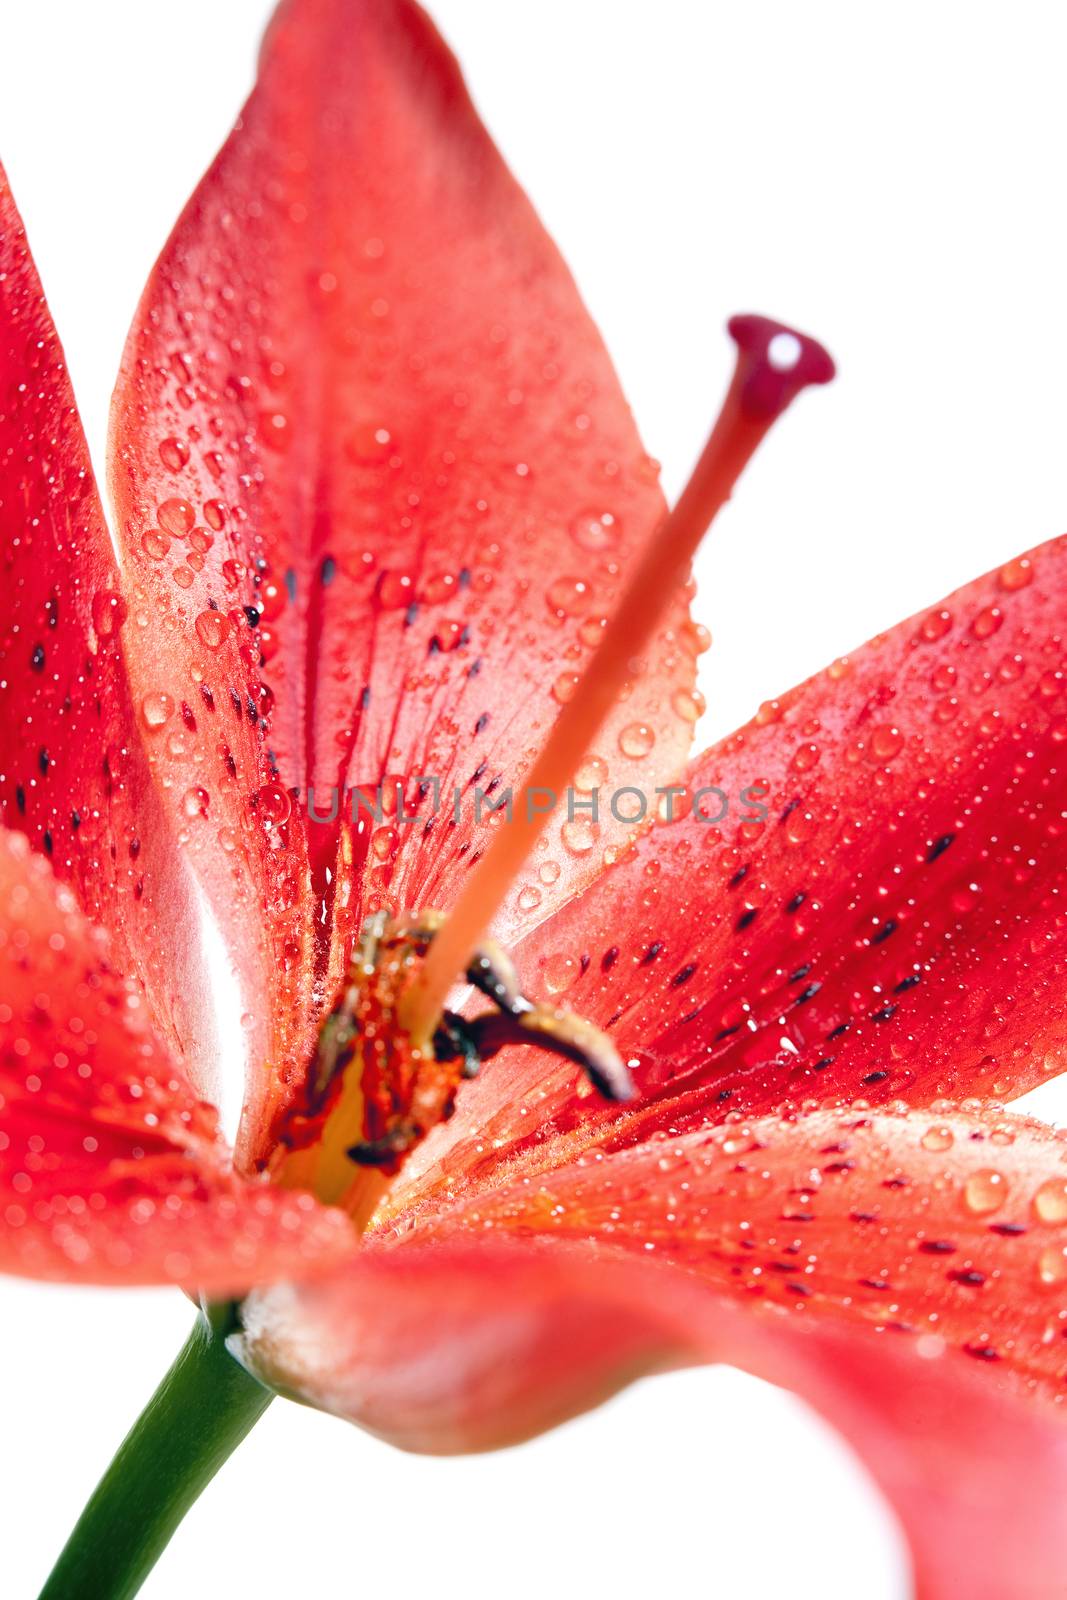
(890, 179)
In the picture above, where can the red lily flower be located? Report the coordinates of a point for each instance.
(377, 494)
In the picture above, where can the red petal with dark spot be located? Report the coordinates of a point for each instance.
(72, 773)
(937, 1222)
(897, 925)
(111, 1169)
(473, 1344)
(379, 486)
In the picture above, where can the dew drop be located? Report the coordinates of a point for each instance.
(694, 637)
(383, 843)
(689, 704)
(195, 802)
(1017, 574)
(595, 530)
(1050, 1201)
(440, 586)
(987, 622)
(549, 872)
(176, 517)
(369, 444)
(580, 835)
(271, 599)
(529, 897)
(937, 1137)
(985, 1191)
(565, 687)
(805, 757)
(109, 613)
(800, 827)
(274, 430)
(887, 741)
(156, 708)
(559, 973)
(636, 740)
(935, 625)
(173, 453)
(569, 597)
(1052, 1264)
(213, 628)
(155, 544)
(396, 589)
(273, 804)
(592, 774)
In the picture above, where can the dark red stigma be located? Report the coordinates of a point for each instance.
(774, 363)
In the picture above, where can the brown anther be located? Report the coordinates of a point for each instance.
(564, 1034)
(372, 1094)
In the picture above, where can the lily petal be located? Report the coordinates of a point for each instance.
(472, 1345)
(377, 485)
(73, 776)
(895, 928)
(111, 1169)
(950, 1222)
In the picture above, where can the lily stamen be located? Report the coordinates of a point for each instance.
(774, 363)
(372, 1093)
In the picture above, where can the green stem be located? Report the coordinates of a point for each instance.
(197, 1417)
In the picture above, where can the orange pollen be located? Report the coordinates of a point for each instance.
(371, 1094)
(774, 363)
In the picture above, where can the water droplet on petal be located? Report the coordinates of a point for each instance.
(636, 740)
(1052, 1264)
(595, 530)
(689, 704)
(370, 444)
(156, 708)
(213, 628)
(1050, 1201)
(887, 741)
(383, 843)
(273, 804)
(176, 517)
(987, 622)
(592, 774)
(155, 544)
(396, 589)
(937, 1137)
(569, 597)
(195, 802)
(1016, 574)
(173, 453)
(580, 835)
(985, 1191)
(935, 625)
(559, 973)
(109, 613)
